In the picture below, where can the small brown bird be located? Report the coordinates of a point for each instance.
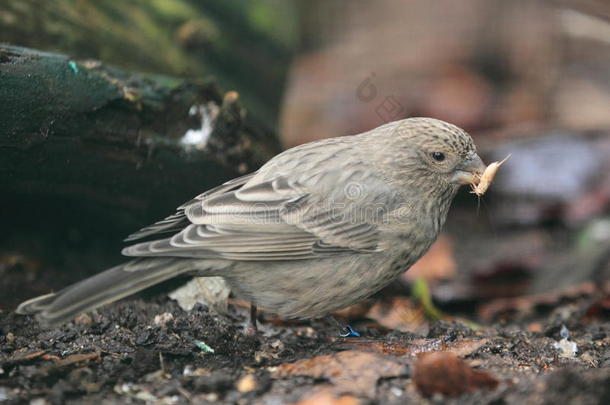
(317, 228)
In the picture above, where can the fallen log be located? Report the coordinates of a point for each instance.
(89, 150)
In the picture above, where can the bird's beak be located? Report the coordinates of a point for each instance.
(469, 171)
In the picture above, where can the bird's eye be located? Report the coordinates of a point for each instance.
(438, 156)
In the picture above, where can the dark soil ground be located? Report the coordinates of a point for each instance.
(135, 351)
(146, 349)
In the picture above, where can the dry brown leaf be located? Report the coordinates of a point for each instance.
(487, 177)
(350, 372)
(398, 313)
(326, 397)
(535, 327)
(445, 373)
(527, 303)
(415, 347)
(24, 357)
(77, 358)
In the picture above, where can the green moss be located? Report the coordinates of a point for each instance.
(245, 45)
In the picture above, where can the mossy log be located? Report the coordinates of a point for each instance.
(89, 149)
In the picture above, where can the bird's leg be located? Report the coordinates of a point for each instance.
(344, 330)
(252, 328)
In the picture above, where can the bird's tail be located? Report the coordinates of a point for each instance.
(109, 286)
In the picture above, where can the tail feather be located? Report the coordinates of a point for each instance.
(35, 305)
(104, 288)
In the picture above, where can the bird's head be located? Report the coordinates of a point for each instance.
(433, 154)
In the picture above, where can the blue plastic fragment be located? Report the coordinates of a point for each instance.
(349, 332)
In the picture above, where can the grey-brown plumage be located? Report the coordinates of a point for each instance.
(318, 227)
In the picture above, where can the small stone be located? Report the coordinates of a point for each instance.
(83, 319)
(247, 383)
(211, 397)
(566, 348)
(588, 359)
(190, 371)
(4, 394)
(162, 319)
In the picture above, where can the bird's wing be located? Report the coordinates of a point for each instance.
(179, 221)
(277, 219)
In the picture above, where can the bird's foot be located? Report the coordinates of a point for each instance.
(252, 328)
(344, 330)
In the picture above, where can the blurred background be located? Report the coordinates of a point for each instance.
(526, 78)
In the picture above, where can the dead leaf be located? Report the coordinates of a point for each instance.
(350, 372)
(487, 177)
(600, 308)
(211, 291)
(395, 348)
(25, 357)
(445, 373)
(398, 313)
(77, 358)
(412, 348)
(535, 327)
(326, 397)
(527, 303)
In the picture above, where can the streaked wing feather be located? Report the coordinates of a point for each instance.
(272, 220)
(179, 220)
(336, 228)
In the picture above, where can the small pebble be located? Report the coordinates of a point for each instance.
(83, 319)
(566, 348)
(190, 371)
(162, 319)
(247, 383)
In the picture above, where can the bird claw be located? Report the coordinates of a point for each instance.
(251, 330)
(349, 332)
